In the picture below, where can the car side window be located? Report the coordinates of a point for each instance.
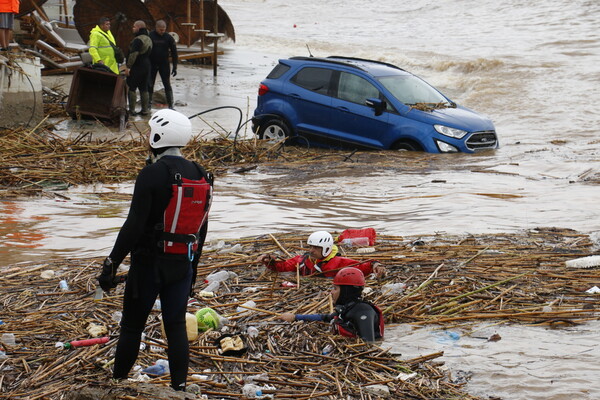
(355, 88)
(279, 70)
(314, 79)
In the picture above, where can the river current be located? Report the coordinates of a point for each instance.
(532, 68)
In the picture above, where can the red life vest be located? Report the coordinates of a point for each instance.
(186, 213)
(348, 331)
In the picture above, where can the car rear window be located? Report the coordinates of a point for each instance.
(315, 79)
(279, 70)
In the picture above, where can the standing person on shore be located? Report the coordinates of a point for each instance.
(353, 316)
(138, 68)
(101, 45)
(8, 10)
(165, 245)
(162, 44)
(322, 257)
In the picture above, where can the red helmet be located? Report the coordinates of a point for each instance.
(349, 276)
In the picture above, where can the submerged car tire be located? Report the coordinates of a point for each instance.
(274, 130)
(406, 146)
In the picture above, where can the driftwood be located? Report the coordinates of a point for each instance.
(450, 281)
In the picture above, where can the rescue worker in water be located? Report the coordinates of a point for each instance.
(164, 232)
(353, 316)
(322, 258)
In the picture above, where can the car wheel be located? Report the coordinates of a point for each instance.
(274, 130)
(406, 146)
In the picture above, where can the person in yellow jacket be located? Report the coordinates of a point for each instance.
(100, 45)
(8, 10)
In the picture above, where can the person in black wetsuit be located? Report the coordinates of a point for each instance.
(162, 44)
(353, 316)
(154, 270)
(138, 68)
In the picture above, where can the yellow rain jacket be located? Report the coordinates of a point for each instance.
(100, 48)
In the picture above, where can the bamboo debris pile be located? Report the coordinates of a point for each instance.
(39, 159)
(450, 281)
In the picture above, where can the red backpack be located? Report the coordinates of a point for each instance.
(186, 213)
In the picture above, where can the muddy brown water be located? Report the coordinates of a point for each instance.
(531, 67)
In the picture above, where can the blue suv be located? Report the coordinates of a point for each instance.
(344, 102)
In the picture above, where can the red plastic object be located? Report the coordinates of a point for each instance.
(357, 233)
(89, 342)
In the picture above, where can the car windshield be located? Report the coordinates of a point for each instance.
(415, 92)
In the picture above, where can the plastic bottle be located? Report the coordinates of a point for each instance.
(220, 276)
(64, 286)
(249, 303)
(8, 339)
(156, 370)
(212, 287)
(327, 349)
(355, 241)
(214, 280)
(359, 233)
(393, 288)
(252, 331)
(117, 316)
(252, 391)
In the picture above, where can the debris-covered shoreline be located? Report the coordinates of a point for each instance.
(450, 281)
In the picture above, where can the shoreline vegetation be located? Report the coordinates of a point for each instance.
(452, 282)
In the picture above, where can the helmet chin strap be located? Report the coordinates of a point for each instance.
(169, 151)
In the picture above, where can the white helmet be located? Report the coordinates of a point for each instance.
(169, 128)
(321, 239)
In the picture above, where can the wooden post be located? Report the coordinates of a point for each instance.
(202, 33)
(216, 32)
(189, 20)
(66, 12)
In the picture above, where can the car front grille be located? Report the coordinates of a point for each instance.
(482, 140)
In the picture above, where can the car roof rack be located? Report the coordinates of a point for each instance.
(346, 61)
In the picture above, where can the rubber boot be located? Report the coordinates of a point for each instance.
(169, 95)
(132, 98)
(145, 103)
(150, 98)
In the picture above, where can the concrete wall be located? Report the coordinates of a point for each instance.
(20, 91)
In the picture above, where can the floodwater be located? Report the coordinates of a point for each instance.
(533, 68)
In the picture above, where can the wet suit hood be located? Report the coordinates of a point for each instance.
(349, 294)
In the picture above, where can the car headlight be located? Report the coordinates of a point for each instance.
(445, 147)
(451, 132)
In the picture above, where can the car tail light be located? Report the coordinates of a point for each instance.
(262, 89)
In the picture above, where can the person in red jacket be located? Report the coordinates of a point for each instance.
(322, 258)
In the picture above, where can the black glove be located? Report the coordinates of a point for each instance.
(174, 72)
(107, 279)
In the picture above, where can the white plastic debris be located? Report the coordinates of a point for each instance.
(365, 250)
(593, 290)
(393, 288)
(404, 376)
(47, 274)
(234, 249)
(584, 262)
(377, 390)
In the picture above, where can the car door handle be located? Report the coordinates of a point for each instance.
(344, 109)
(295, 95)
